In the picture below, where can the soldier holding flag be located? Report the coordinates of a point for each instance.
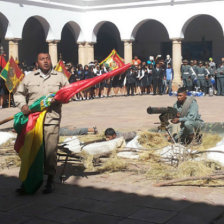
(38, 83)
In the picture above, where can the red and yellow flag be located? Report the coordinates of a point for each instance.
(113, 60)
(12, 75)
(29, 143)
(30, 148)
(60, 67)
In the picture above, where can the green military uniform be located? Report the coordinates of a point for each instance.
(186, 75)
(201, 74)
(35, 85)
(190, 120)
(220, 80)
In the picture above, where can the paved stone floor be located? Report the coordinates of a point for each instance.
(125, 112)
(113, 198)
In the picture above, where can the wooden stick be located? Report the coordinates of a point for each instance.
(6, 120)
(171, 182)
(199, 152)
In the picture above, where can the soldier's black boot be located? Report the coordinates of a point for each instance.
(21, 190)
(49, 187)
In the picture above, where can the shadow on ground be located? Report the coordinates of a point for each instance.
(72, 204)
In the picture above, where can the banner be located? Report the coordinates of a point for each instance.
(113, 60)
(12, 75)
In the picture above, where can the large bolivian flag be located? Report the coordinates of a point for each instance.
(29, 143)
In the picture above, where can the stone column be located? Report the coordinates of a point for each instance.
(89, 52)
(86, 52)
(14, 49)
(81, 53)
(128, 51)
(177, 60)
(53, 51)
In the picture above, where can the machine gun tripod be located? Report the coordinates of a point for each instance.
(166, 113)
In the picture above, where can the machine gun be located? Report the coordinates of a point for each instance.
(166, 113)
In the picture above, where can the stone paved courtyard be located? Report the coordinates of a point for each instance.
(116, 198)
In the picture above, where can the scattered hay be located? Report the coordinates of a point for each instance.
(163, 171)
(13, 161)
(208, 141)
(152, 140)
(148, 155)
(160, 171)
(10, 161)
(87, 161)
(194, 169)
(113, 164)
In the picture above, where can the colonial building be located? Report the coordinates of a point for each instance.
(83, 30)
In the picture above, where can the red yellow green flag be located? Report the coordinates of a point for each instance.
(113, 60)
(29, 143)
(12, 75)
(60, 67)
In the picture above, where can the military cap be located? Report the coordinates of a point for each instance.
(185, 61)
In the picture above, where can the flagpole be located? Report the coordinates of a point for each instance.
(6, 120)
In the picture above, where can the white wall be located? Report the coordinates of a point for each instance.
(174, 18)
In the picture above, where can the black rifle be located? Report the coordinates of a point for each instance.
(166, 113)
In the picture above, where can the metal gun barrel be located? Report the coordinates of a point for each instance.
(156, 110)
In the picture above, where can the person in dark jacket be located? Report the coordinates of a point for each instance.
(157, 76)
(80, 76)
(130, 81)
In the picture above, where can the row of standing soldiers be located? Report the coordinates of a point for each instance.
(203, 76)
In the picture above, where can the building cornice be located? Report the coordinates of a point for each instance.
(84, 6)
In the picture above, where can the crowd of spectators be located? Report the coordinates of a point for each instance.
(154, 76)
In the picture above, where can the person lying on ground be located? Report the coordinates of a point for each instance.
(111, 134)
(71, 131)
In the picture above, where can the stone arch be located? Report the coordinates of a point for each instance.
(186, 24)
(203, 38)
(107, 37)
(150, 38)
(68, 48)
(35, 32)
(4, 25)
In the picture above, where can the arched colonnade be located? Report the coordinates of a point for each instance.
(198, 37)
